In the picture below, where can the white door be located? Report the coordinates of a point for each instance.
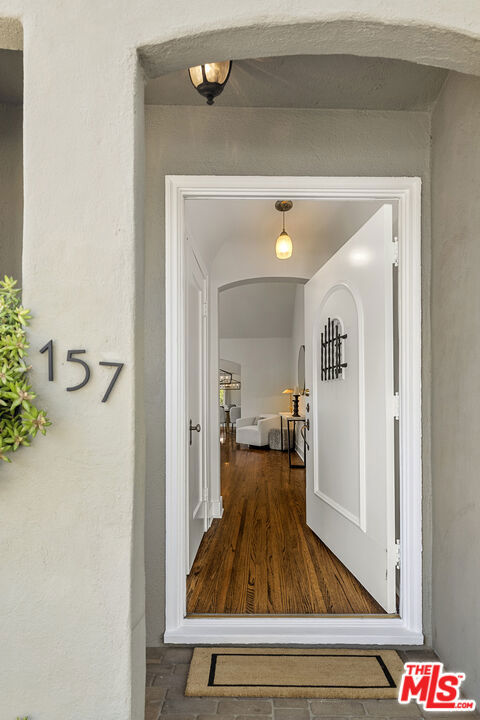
(350, 461)
(196, 339)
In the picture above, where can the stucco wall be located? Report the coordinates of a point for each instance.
(203, 140)
(455, 377)
(67, 640)
(71, 585)
(11, 191)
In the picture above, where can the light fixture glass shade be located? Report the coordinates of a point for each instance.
(283, 246)
(210, 79)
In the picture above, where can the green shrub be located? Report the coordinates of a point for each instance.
(20, 420)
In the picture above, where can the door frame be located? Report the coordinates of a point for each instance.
(376, 630)
(203, 504)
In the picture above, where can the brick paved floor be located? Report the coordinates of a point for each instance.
(167, 669)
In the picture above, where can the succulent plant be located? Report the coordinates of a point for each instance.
(20, 419)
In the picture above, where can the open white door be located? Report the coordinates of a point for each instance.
(195, 354)
(350, 460)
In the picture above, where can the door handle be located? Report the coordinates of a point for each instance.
(193, 428)
(303, 433)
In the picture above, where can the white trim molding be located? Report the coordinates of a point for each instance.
(406, 628)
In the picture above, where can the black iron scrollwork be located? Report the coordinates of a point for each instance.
(332, 343)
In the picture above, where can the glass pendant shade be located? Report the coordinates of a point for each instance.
(283, 246)
(210, 79)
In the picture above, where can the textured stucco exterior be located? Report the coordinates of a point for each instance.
(455, 377)
(72, 631)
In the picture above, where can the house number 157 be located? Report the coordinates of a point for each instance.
(71, 357)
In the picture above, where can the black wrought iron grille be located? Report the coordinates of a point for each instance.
(332, 342)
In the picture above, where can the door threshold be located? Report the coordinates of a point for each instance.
(292, 615)
(293, 630)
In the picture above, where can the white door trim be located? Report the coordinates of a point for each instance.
(405, 629)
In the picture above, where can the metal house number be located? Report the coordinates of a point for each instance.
(48, 348)
(332, 342)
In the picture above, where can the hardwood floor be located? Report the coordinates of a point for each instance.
(261, 557)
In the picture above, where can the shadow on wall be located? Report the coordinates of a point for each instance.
(11, 165)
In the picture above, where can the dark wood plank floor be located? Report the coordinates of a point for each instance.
(261, 557)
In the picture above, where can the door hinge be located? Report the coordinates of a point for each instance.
(396, 555)
(396, 406)
(395, 252)
(204, 309)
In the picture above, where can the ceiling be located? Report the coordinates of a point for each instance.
(257, 310)
(11, 77)
(236, 240)
(312, 81)
(236, 229)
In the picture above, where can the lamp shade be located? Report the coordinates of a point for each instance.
(283, 246)
(210, 79)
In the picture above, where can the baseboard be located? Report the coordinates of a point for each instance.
(216, 508)
(299, 451)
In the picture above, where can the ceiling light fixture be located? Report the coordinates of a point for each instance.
(283, 246)
(210, 79)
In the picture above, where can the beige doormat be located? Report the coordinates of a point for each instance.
(288, 672)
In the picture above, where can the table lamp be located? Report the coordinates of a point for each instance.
(289, 391)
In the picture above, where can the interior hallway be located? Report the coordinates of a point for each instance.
(261, 557)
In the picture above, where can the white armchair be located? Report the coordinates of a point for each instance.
(249, 433)
(222, 417)
(235, 413)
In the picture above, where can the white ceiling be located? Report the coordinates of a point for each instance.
(317, 227)
(239, 235)
(312, 81)
(257, 310)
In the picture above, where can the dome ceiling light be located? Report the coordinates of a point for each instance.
(283, 246)
(210, 79)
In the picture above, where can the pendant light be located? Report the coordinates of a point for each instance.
(283, 246)
(210, 79)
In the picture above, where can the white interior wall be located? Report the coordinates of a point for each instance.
(11, 191)
(243, 141)
(455, 377)
(266, 372)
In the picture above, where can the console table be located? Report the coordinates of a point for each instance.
(289, 418)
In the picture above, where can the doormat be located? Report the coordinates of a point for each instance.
(288, 672)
